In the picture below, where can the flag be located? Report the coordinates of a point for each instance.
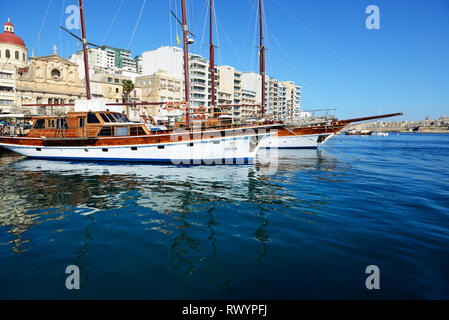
(177, 39)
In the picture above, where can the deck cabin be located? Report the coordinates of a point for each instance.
(86, 125)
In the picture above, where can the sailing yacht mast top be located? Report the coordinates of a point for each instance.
(211, 57)
(186, 61)
(262, 57)
(83, 33)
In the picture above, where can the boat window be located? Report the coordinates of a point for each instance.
(124, 118)
(136, 131)
(40, 124)
(119, 117)
(111, 117)
(92, 118)
(51, 123)
(121, 131)
(61, 124)
(106, 132)
(105, 119)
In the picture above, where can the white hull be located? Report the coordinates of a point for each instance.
(225, 150)
(309, 141)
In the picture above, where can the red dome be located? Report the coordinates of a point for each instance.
(9, 37)
(9, 24)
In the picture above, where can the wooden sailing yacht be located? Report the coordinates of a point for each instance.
(95, 130)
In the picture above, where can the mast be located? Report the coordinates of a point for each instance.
(83, 33)
(262, 58)
(211, 57)
(186, 61)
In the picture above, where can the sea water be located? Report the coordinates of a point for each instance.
(306, 228)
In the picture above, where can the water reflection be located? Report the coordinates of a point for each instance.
(175, 201)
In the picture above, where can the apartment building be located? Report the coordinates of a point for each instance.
(159, 87)
(291, 99)
(106, 59)
(282, 98)
(171, 60)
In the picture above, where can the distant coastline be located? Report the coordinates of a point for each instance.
(429, 125)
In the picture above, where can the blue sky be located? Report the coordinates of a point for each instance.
(322, 45)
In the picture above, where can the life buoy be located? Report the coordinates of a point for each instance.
(169, 106)
(182, 105)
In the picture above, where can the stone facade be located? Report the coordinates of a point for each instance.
(48, 80)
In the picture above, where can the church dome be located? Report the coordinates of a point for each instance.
(8, 35)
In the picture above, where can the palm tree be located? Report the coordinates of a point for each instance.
(128, 87)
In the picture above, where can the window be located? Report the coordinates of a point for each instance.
(104, 117)
(161, 147)
(105, 150)
(51, 123)
(17, 55)
(5, 75)
(55, 74)
(106, 132)
(40, 124)
(61, 124)
(116, 90)
(121, 131)
(136, 131)
(38, 149)
(111, 117)
(8, 54)
(92, 118)
(117, 81)
(134, 148)
(81, 122)
(110, 80)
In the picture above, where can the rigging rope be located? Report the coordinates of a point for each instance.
(38, 39)
(218, 38)
(206, 15)
(113, 20)
(230, 42)
(137, 23)
(169, 19)
(245, 38)
(60, 31)
(348, 65)
(291, 63)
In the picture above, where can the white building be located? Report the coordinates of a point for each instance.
(106, 59)
(282, 98)
(171, 60)
(252, 81)
(13, 58)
